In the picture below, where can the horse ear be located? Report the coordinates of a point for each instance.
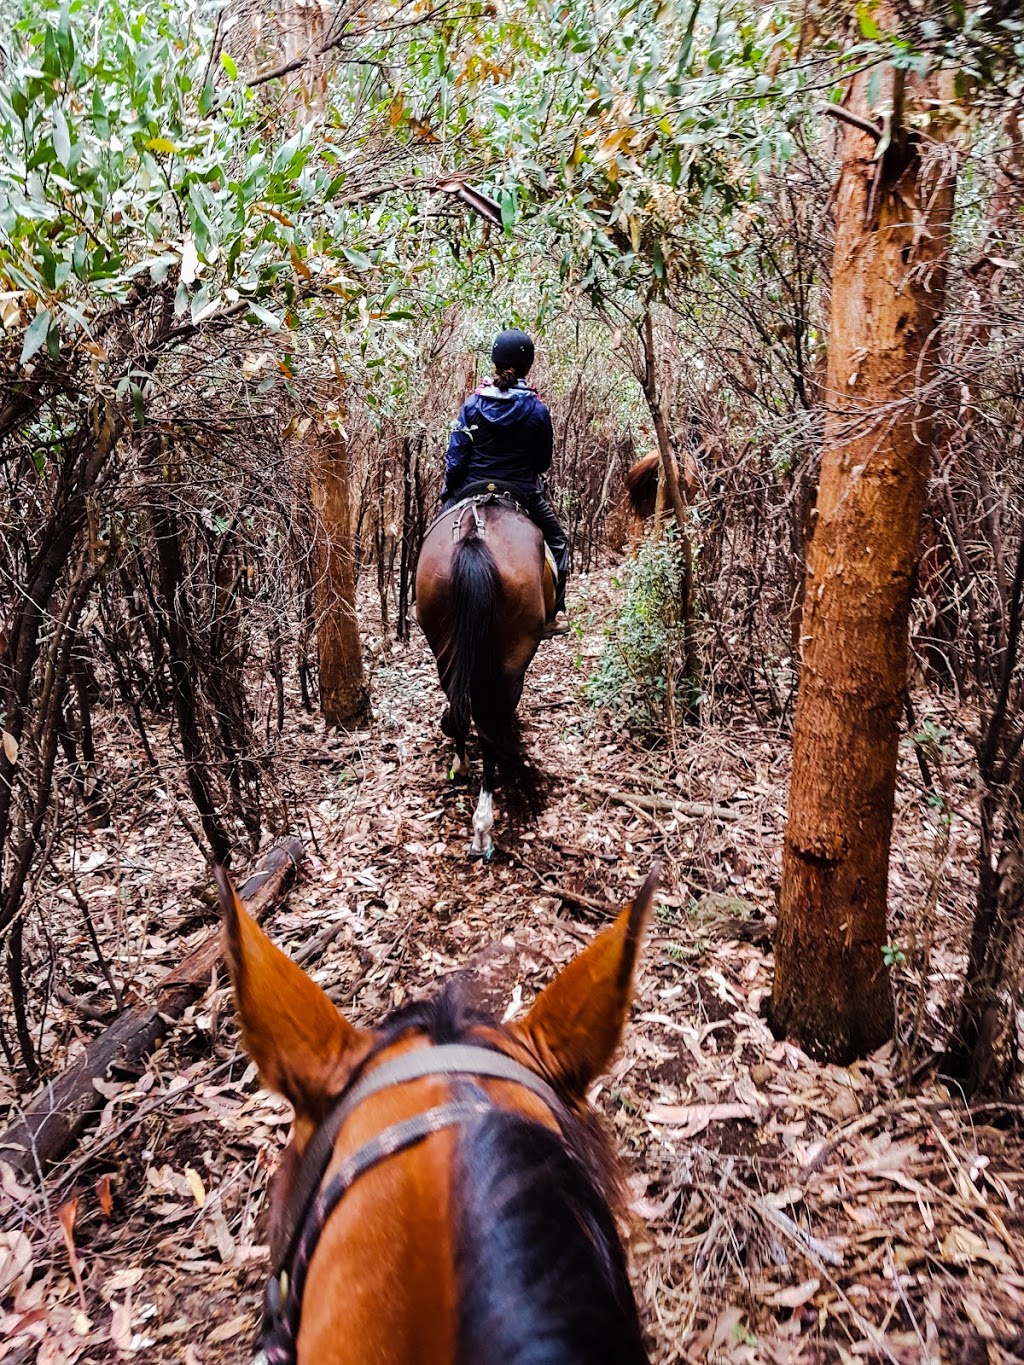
(576, 1023)
(304, 1047)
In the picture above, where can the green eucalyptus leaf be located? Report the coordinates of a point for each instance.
(358, 259)
(35, 335)
(61, 136)
(265, 316)
(866, 21)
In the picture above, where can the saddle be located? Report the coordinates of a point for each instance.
(478, 495)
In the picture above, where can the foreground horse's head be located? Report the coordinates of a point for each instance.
(447, 1195)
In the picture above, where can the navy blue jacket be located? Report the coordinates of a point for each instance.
(502, 437)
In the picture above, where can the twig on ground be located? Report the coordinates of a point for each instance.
(669, 805)
(318, 945)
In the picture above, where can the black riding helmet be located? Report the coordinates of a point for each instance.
(513, 350)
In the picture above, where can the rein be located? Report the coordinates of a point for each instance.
(312, 1203)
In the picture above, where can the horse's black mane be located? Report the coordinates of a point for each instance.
(541, 1271)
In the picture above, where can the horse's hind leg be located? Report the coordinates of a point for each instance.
(460, 764)
(483, 817)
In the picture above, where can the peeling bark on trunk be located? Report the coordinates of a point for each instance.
(344, 699)
(832, 993)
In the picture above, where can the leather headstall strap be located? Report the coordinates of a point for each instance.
(311, 1205)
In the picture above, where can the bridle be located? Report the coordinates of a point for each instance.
(311, 1202)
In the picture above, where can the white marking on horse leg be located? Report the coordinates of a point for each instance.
(460, 766)
(483, 823)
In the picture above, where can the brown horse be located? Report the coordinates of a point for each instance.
(642, 499)
(484, 592)
(636, 505)
(447, 1195)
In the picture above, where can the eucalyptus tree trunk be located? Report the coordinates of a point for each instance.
(344, 699)
(832, 993)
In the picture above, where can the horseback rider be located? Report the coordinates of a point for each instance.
(503, 436)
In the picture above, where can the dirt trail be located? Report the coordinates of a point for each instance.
(783, 1211)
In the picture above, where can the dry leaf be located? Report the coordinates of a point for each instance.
(195, 1184)
(785, 1198)
(960, 1246)
(694, 1118)
(651, 1210)
(12, 1187)
(67, 1213)
(121, 1327)
(189, 260)
(220, 1233)
(10, 747)
(104, 1192)
(127, 1278)
(228, 1329)
(796, 1296)
(716, 1333)
(15, 1263)
(973, 1312)
(254, 362)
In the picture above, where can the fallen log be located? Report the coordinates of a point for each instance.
(69, 1104)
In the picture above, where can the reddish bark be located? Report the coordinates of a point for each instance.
(344, 698)
(832, 993)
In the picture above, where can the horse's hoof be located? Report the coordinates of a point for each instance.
(479, 855)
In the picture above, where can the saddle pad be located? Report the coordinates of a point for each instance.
(550, 560)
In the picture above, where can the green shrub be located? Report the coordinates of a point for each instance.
(642, 661)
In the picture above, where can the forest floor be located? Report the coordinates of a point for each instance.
(782, 1211)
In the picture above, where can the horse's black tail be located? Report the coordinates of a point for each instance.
(476, 684)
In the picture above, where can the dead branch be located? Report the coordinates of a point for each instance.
(837, 111)
(697, 809)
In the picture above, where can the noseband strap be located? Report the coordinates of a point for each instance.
(312, 1203)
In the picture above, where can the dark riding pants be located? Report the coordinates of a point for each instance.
(551, 529)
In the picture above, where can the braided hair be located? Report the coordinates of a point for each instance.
(506, 379)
